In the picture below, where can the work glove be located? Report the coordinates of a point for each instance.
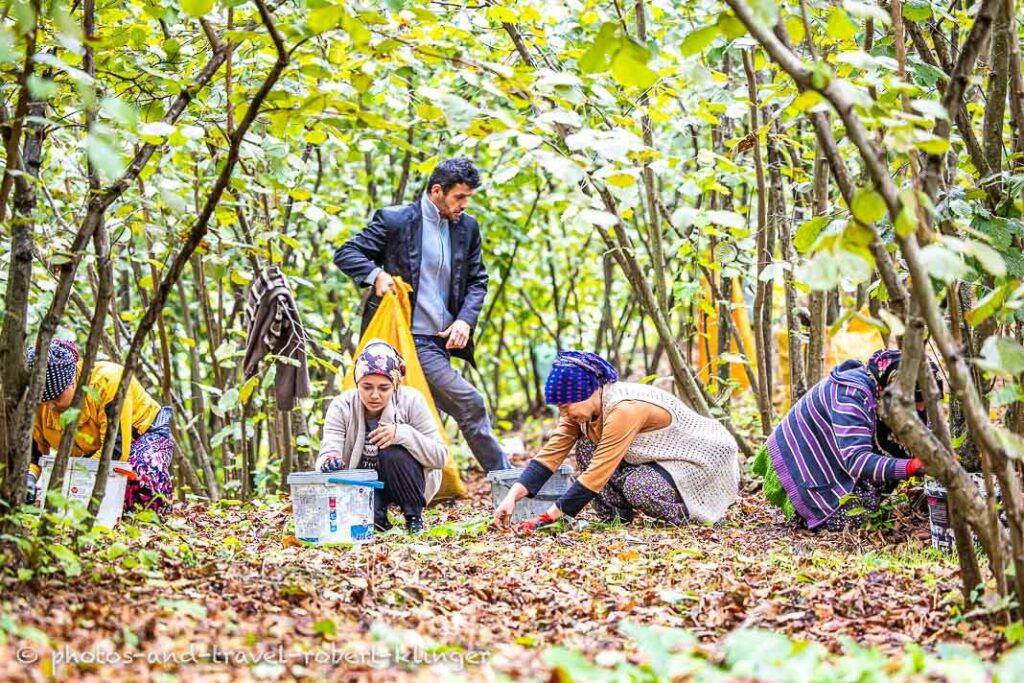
(332, 463)
(915, 467)
(535, 523)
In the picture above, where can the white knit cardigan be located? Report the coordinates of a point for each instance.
(697, 451)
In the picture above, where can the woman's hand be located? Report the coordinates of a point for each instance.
(383, 436)
(503, 513)
(531, 525)
(332, 463)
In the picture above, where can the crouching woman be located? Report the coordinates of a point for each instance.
(831, 459)
(144, 429)
(637, 448)
(388, 428)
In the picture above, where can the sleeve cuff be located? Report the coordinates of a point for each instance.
(534, 477)
(35, 469)
(402, 434)
(575, 499)
(369, 279)
(900, 470)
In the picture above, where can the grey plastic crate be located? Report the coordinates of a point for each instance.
(526, 508)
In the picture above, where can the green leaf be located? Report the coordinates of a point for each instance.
(732, 28)
(1002, 356)
(67, 558)
(988, 257)
(840, 26)
(197, 8)
(988, 305)
(906, 219)
(1005, 395)
(933, 144)
(696, 41)
(925, 74)
(917, 10)
(629, 66)
(41, 88)
(1012, 443)
(807, 234)
(324, 19)
(227, 402)
(868, 206)
(68, 416)
(995, 228)
(821, 272)
(942, 263)
(598, 57)
(105, 157)
(766, 12)
(325, 627)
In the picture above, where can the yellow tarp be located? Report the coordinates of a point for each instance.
(391, 323)
(708, 339)
(857, 339)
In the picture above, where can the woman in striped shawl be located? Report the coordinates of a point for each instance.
(831, 455)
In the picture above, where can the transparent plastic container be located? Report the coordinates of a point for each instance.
(526, 508)
(333, 507)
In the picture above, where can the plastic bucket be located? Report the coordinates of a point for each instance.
(79, 481)
(527, 508)
(333, 507)
(938, 516)
(938, 512)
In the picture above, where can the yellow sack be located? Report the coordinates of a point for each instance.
(391, 323)
(707, 340)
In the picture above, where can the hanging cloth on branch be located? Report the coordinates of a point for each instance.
(274, 327)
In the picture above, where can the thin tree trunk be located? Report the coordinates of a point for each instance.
(762, 334)
(816, 335)
(797, 379)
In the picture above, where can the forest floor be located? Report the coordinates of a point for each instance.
(216, 594)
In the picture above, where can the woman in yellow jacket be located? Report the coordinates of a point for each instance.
(144, 433)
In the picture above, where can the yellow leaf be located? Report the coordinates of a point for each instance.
(299, 194)
(502, 15)
(805, 101)
(621, 180)
(316, 137)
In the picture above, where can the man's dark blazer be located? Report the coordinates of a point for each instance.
(393, 240)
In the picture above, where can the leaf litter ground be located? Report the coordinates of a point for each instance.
(217, 594)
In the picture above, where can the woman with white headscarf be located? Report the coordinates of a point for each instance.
(389, 428)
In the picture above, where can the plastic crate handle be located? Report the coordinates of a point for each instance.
(355, 482)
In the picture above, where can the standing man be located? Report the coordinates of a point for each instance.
(435, 247)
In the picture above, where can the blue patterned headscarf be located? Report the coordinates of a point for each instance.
(380, 358)
(575, 376)
(60, 367)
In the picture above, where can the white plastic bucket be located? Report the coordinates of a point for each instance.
(79, 480)
(333, 507)
(527, 508)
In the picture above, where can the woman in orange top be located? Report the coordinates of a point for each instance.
(144, 436)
